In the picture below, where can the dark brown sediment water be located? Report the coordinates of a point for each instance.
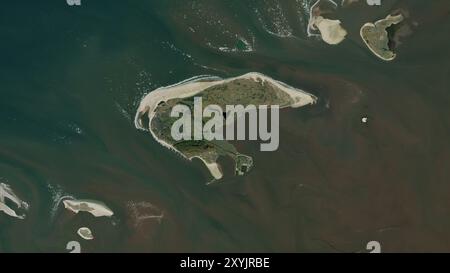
(72, 79)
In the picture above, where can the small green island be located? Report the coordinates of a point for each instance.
(154, 113)
(375, 36)
(85, 233)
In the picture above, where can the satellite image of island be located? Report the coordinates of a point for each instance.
(225, 126)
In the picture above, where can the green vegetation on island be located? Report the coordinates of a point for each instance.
(252, 89)
(375, 36)
(240, 92)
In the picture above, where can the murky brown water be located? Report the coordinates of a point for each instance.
(72, 78)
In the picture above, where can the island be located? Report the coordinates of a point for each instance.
(154, 113)
(85, 233)
(375, 36)
(331, 31)
(7, 193)
(96, 208)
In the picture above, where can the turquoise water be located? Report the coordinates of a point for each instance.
(72, 78)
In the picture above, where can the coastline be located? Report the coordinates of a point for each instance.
(7, 193)
(95, 208)
(366, 25)
(213, 168)
(391, 20)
